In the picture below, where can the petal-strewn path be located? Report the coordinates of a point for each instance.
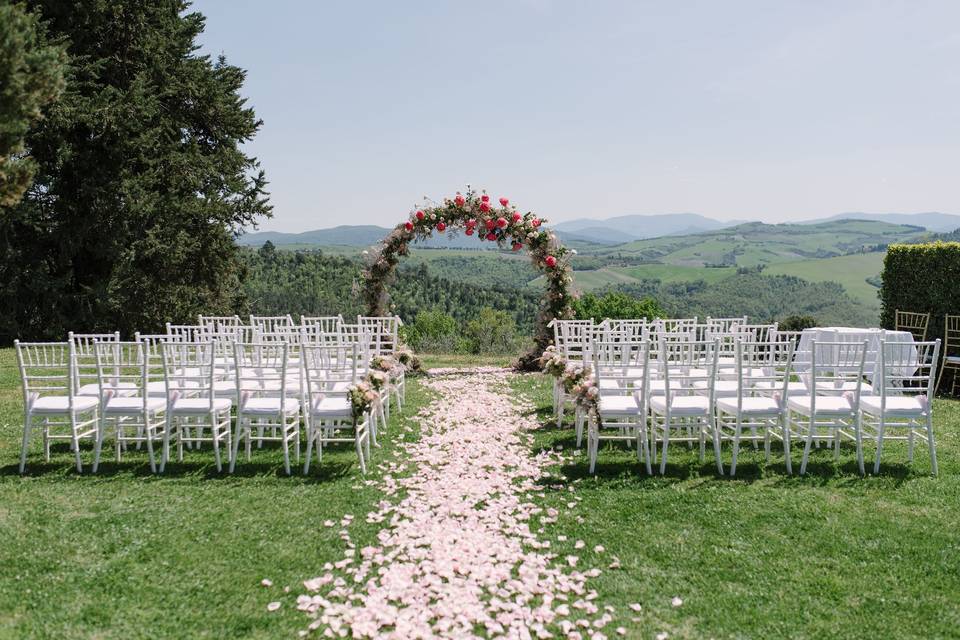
(459, 555)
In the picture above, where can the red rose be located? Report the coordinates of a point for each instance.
(441, 226)
(516, 216)
(501, 222)
(516, 246)
(485, 198)
(535, 222)
(491, 236)
(484, 207)
(408, 226)
(469, 231)
(459, 200)
(504, 202)
(471, 222)
(419, 215)
(551, 261)
(490, 223)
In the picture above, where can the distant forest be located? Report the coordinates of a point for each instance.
(310, 282)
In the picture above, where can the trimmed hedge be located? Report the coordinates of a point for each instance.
(921, 278)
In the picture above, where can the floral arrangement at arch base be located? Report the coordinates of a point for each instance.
(575, 377)
(498, 222)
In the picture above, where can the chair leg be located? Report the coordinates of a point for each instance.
(98, 445)
(666, 442)
(716, 446)
(930, 444)
(27, 426)
(806, 448)
(880, 430)
(306, 463)
(165, 450)
(236, 443)
(149, 432)
(857, 434)
(215, 432)
(579, 428)
(785, 423)
(736, 448)
(286, 446)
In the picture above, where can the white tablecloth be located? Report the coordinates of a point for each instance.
(873, 337)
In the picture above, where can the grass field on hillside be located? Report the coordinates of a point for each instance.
(851, 271)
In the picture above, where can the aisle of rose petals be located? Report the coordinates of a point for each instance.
(461, 553)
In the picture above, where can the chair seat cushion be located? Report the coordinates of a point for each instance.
(750, 406)
(337, 407)
(896, 405)
(93, 389)
(618, 406)
(61, 404)
(270, 406)
(200, 406)
(225, 388)
(836, 405)
(158, 388)
(682, 405)
(792, 387)
(133, 405)
(721, 388)
(953, 359)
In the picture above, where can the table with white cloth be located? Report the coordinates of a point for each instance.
(873, 338)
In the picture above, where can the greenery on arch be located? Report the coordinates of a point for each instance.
(498, 222)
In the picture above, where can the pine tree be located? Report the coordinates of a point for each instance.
(141, 182)
(31, 77)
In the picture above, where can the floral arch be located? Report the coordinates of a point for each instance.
(499, 222)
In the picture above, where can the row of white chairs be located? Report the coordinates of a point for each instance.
(164, 387)
(661, 389)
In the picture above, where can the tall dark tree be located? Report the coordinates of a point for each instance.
(141, 181)
(31, 77)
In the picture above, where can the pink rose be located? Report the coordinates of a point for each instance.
(484, 207)
(459, 200)
(504, 202)
(420, 215)
(441, 226)
(491, 236)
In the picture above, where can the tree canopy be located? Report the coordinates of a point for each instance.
(140, 183)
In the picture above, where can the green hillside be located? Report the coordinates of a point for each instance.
(756, 243)
(850, 271)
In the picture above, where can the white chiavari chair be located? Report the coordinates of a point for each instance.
(901, 408)
(746, 415)
(192, 401)
(135, 417)
(683, 413)
(573, 339)
(50, 400)
(263, 401)
(188, 332)
(623, 398)
(830, 409)
(218, 324)
(330, 372)
(273, 324)
(726, 325)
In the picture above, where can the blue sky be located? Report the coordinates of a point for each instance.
(767, 109)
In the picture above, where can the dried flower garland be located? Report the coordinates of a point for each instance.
(503, 224)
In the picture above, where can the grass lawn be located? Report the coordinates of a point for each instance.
(125, 554)
(766, 555)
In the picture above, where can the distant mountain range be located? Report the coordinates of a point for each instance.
(589, 231)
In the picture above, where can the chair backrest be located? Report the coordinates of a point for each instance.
(383, 332)
(617, 361)
(909, 368)
(327, 368)
(188, 332)
(85, 360)
(726, 325)
(122, 364)
(216, 324)
(951, 335)
(313, 334)
(757, 332)
(768, 362)
(46, 368)
(326, 324)
(273, 324)
(573, 338)
(260, 369)
(690, 361)
(188, 367)
(679, 325)
(915, 323)
(836, 367)
(631, 330)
